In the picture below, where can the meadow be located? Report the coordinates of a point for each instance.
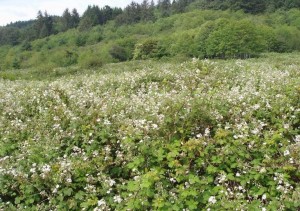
(152, 135)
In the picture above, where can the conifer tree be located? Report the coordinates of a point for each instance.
(164, 7)
(66, 20)
(75, 19)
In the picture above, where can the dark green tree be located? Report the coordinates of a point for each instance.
(91, 17)
(66, 20)
(164, 7)
(179, 6)
(237, 39)
(43, 25)
(9, 36)
(253, 6)
(131, 14)
(147, 11)
(75, 19)
(106, 14)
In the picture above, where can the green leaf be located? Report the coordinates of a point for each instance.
(18, 200)
(132, 186)
(79, 195)
(211, 169)
(68, 191)
(192, 204)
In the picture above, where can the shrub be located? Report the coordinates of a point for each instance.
(144, 135)
(118, 52)
(92, 63)
(149, 48)
(26, 46)
(16, 63)
(80, 40)
(64, 57)
(90, 60)
(237, 39)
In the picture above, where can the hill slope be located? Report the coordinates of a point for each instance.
(203, 34)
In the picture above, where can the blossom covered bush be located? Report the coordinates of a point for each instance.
(201, 135)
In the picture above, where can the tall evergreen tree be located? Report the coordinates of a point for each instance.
(106, 14)
(75, 19)
(91, 17)
(9, 36)
(179, 6)
(131, 14)
(66, 20)
(43, 25)
(164, 7)
(147, 11)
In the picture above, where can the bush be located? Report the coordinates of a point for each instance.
(92, 63)
(90, 60)
(80, 40)
(237, 39)
(288, 37)
(149, 48)
(26, 46)
(64, 58)
(184, 44)
(119, 53)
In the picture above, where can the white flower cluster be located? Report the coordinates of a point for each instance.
(97, 118)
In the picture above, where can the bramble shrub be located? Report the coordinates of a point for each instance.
(148, 135)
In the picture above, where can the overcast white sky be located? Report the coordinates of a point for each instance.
(15, 10)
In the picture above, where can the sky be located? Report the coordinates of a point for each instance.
(17, 10)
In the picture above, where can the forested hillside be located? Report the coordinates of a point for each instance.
(148, 30)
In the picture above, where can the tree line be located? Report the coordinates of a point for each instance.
(248, 6)
(45, 24)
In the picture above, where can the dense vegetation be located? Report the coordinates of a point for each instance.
(181, 29)
(203, 34)
(163, 130)
(218, 135)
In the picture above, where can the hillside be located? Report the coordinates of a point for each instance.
(199, 33)
(148, 135)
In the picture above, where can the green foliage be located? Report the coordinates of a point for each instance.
(9, 35)
(118, 52)
(147, 49)
(64, 58)
(26, 46)
(142, 135)
(287, 37)
(43, 25)
(184, 44)
(90, 60)
(234, 39)
(16, 63)
(202, 34)
(81, 40)
(254, 6)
